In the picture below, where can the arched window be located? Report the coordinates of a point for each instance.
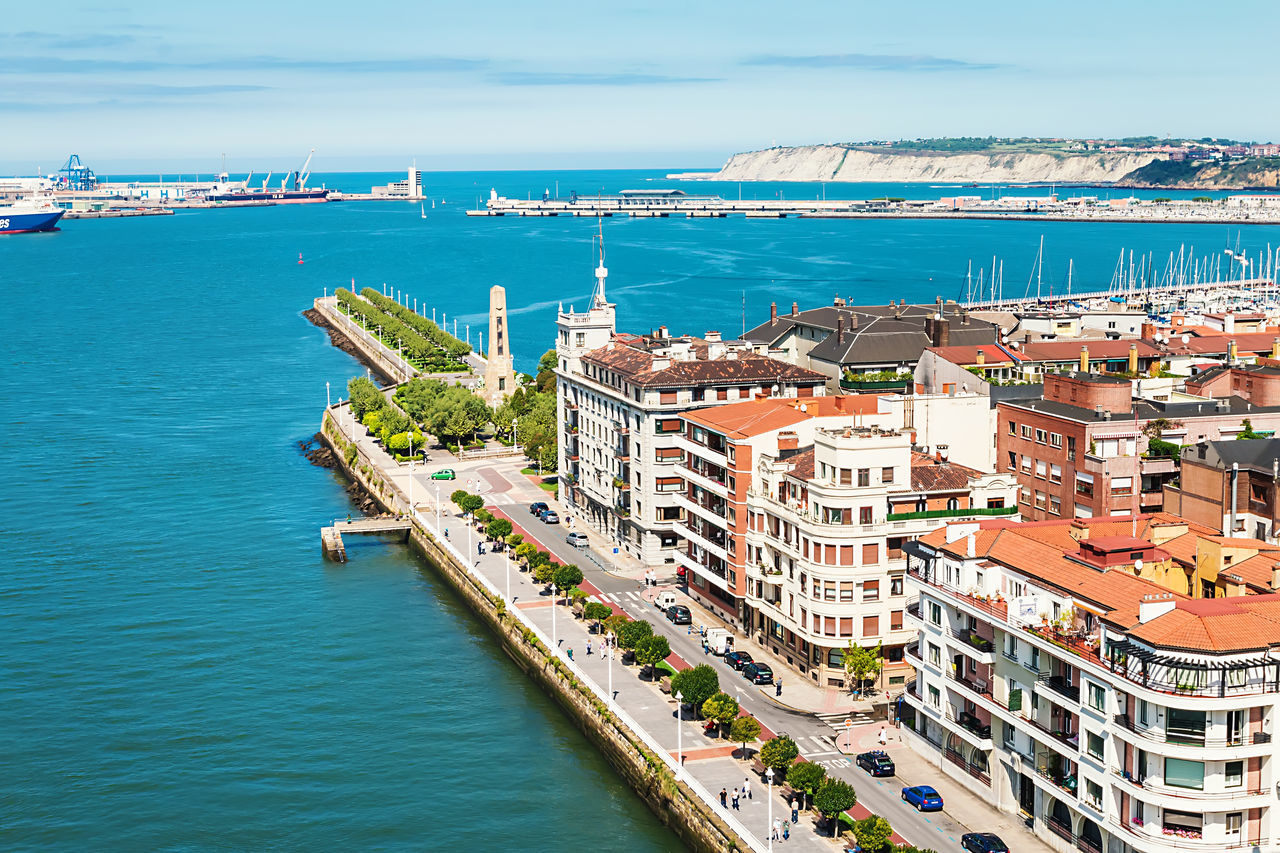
(953, 503)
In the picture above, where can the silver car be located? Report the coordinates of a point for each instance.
(577, 540)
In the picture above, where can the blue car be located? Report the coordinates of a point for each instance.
(924, 798)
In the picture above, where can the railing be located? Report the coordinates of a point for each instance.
(1087, 845)
(998, 609)
(1125, 722)
(974, 639)
(951, 513)
(1059, 685)
(1060, 829)
(913, 610)
(1151, 787)
(1168, 840)
(982, 688)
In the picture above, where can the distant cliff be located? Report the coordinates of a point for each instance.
(842, 163)
(1255, 172)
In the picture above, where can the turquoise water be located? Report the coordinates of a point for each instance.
(182, 669)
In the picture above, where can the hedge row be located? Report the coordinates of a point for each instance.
(428, 329)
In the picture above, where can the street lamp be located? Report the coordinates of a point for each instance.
(609, 639)
(768, 775)
(410, 470)
(679, 735)
(439, 530)
(328, 403)
(555, 643)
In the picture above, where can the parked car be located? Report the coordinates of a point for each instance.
(537, 508)
(737, 660)
(679, 615)
(550, 517)
(923, 797)
(983, 842)
(444, 474)
(758, 673)
(877, 762)
(576, 539)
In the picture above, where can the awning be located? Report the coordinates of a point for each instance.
(916, 548)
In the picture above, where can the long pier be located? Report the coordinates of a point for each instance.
(331, 536)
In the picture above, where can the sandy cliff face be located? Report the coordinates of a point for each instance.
(834, 163)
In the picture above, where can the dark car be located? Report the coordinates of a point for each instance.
(679, 615)
(877, 762)
(758, 673)
(537, 508)
(923, 797)
(737, 660)
(983, 842)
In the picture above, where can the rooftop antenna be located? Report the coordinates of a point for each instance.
(597, 298)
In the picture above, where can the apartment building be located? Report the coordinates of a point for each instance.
(619, 399)
(1114, 680)
(794, 520)
(1233, 486)
(1081, 450)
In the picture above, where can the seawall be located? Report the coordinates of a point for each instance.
(648, 773)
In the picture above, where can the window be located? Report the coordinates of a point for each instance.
(1183, 726)
(1013, 428)
(1024, 495)
(895, 585)
(1093, 793)
(871, 590)
(1026, 431)
(1055, 473)
(895, 620)
(666, 398)
(886, 475)
(934, 657)
(864, 476)
(870, 626)
(870, 554)
(846, 590)
(1235, 821)
(935, 613)
(1042, 469)
(846, 477)
(1013, 461)
(864, 515)
(1180, 773)
(1093, 743)
(1026, 464)
(934, 697)
(1142, 711)
(1234, 774)
(1055, 439)
(1041, 436)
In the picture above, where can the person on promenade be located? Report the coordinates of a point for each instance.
(570, 651)
(746, 788)
(795, 810)
(776, 833)
(777, 687)
(735, 799)
(884, 738)
(588, 648)
(724, 797)
(786, 830)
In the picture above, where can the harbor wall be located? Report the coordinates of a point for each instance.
(386, 363)
(677, 806)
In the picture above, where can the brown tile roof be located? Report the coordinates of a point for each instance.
(993, 354)
(930, 475)
(802, 465)
(1065, 350)
(631, 357)
(753, 417)
(1238, 624)
(1255, 342)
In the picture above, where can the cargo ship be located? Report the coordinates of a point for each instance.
(293, 189)
(27, 216)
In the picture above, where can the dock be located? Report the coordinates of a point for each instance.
(331, 536)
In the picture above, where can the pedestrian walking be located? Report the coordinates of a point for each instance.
(588, 648)
(777, 829)
(795, 812)
(777, 687)
(884, 738)
(786, 830)
(570, 654)
(724, 797)
(735, 800)
(746, 788)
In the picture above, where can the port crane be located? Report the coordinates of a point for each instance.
(300, 176)
(77, 176)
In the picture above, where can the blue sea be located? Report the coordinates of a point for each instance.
(182, 669)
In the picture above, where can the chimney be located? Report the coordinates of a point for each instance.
(788, 441)
(1154, 605)
(971, 546)
(1275, 576)
(1148, 331)
(941, 333)
(840, 329)
(795, 309)
(944, 451)
(1231, 350)
(1133, 358)
(1229, 323)
(1084, 359)
(712, 337)
(982, 357)
(1078, 530)
(1275, 347)
(773, 312)
(662, 332)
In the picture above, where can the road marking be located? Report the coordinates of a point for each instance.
(824, 741)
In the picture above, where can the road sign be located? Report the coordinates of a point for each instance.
(615, 550)
(848, 724)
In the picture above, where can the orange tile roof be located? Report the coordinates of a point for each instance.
(1238, 624)
(930, 475)
(992, 354)
(755, 417)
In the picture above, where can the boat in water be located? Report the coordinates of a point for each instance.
(26, 216)
(293, 188)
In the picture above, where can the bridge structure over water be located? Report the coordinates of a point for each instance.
(331, 536)
(1135, 294)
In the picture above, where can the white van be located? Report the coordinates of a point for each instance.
(664, 600)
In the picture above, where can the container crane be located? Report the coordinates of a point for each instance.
(76, 176)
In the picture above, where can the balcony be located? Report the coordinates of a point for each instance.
(913, 611)
(1146, 788)
(986, 606)
(1057, 771)
(974, 645)
(1159, 838)
(1124, 721)
(1059, 685)
(1189, 677)
(911, 654)
(979, 733)
(957, 758)
(972, 512)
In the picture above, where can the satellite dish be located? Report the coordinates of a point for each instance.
(1137, 565)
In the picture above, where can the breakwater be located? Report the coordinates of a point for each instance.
(648, 771)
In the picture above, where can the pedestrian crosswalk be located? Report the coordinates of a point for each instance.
(619, 598)
(837, 720)
(823, 745)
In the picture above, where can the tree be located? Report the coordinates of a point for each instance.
(861, 664)
(498, 529)
(1156, 427)
(633, 632)
(483, 516)
(457, 496)
(806, 776)
(613, 624)
(696, 685)
(515, 539)
(1247, 431)
(744, 731)
(544, 572)
(721, 707)
(567, 577)
(873, 834)
(525, 551)
(778, 753)
(365, 397)
(596, 611)
(470, 503)
(834, 797)
(651, 651)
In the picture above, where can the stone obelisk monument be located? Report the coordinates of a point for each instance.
(499, 377)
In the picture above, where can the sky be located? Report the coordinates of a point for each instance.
(523, 85)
